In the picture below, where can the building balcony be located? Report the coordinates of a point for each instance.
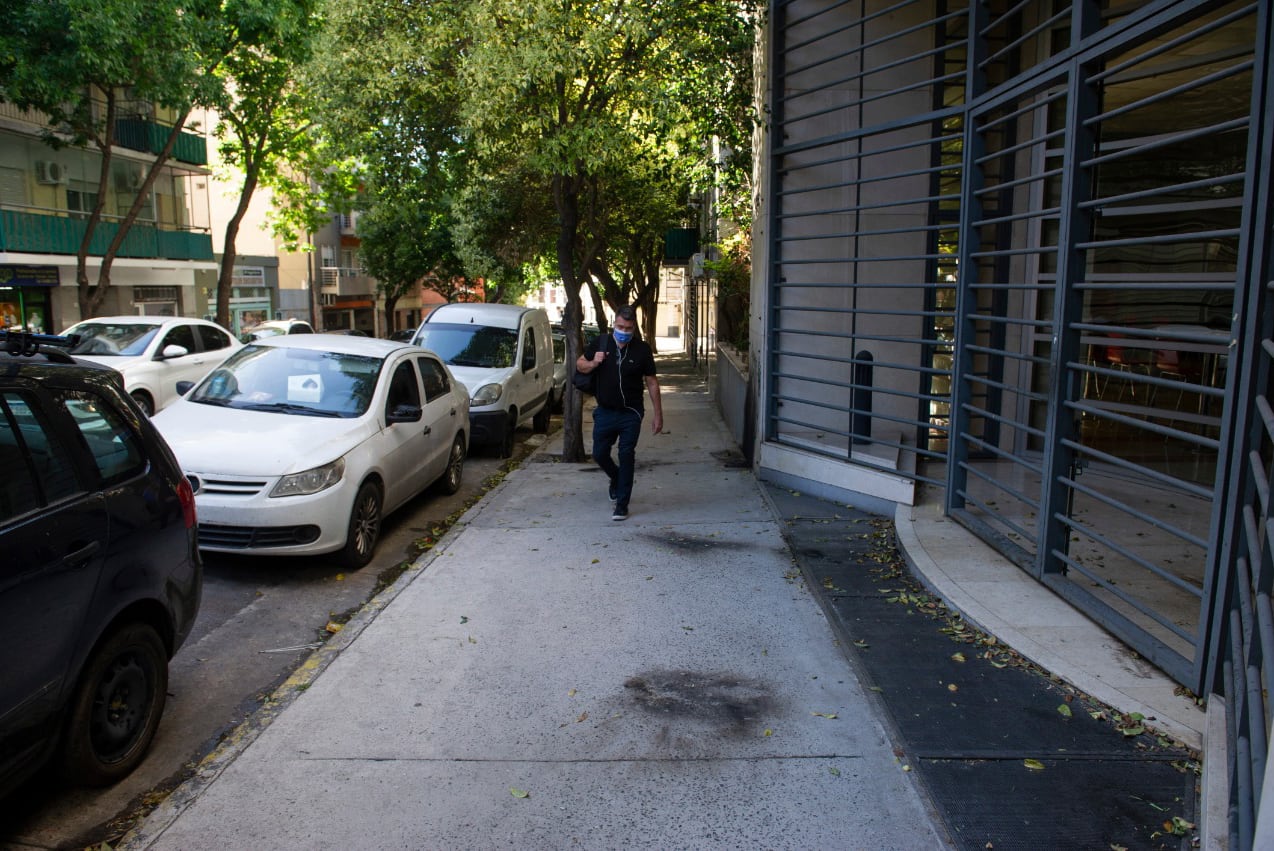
(136, 132)
(143, 134)
(36, 233)
(680, 244)
(344, 280)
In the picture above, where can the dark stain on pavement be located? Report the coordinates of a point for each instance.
(711, 696)
(732, 459)
(695, 543)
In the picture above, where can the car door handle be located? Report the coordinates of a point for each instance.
(428, 430)
(453, 412)
(83, 554)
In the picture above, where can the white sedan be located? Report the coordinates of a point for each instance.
(299, 444)
(153, 353)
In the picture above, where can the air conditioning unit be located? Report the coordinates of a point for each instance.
(47, 171)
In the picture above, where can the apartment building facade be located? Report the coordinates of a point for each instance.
(46, 195)
(1015, 259)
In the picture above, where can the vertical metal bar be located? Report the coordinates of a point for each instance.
(971, 180)
(1242, 429)
(1075, 225)
(770, 317)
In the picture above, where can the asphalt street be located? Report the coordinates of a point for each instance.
(259, 619)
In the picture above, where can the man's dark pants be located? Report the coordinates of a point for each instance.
(609, 426)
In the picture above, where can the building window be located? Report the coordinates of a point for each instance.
(152, 294)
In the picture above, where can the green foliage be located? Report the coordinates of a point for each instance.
(406, 241)
(571, 129)
(732, 272)
(83, 62)
(501, 224)
(265, 132)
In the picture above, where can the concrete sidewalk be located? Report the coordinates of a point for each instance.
(547, 677)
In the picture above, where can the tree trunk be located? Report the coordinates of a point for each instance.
(648, 302)
(391, 302)
(225, 276)
(566, 199)
(90, 297)
(599, 307)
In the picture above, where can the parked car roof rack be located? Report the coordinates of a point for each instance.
(28, 343)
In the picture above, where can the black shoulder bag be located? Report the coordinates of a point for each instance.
(586, 382)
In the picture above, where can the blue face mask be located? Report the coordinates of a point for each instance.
(621, 337)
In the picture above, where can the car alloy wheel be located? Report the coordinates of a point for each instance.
(454, 474)
(364, 527)
(117, 706)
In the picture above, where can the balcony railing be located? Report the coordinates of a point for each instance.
(135, 133)
(142, 134)
(345, 280)
(45, 234)
(680, 244)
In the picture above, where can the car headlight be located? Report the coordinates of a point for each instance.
(310, 481)
(488, 394)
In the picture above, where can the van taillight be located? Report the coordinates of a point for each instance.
(187, 497)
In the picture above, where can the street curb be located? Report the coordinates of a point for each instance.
(152, 827)
(929, 573)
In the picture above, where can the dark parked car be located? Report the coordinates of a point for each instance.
(100, 577)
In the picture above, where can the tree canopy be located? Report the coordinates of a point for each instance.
(266, 132)
(573, 129)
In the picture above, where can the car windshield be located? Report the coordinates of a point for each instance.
(112, 339)
(470, 345)
(283, 380)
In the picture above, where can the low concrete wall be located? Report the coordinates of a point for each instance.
(731, 390)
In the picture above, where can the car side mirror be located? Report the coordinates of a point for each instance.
(404, 414)
(183, 387)
(172, 350)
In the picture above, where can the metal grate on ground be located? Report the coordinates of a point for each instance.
(1004, 763)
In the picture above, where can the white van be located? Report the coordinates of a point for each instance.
(503, 354)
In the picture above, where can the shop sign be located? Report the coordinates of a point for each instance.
(28, 276)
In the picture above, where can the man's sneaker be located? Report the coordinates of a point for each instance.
(614, 494)
(620, 513)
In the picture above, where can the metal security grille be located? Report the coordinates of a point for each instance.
(864, 229)
(1080, 194)
(1240, 663)
(1102, 227)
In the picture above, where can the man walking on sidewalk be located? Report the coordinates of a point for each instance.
(622, 366)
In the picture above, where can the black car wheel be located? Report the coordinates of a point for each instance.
(506, 440)
(116, 707)
(364, 527)
(452, 476)
(541, 421)
(144, 402)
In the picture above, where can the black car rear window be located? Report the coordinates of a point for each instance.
(36, 467)
(108, 438)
